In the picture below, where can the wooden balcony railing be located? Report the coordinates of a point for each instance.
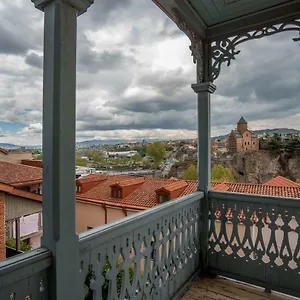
(25, 276)
(149, 255)
(255, 239)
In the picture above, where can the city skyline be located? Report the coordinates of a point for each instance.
(134, 78)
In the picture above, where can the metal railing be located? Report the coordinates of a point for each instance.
(255, 239)
(25, 276)
(149, 255)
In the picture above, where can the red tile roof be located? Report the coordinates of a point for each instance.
(143, 197)
(281, 181)
(129, 182)
(20, 193)
(16, 174)
(174, 186)
(92, 178)
(3, 151)
(259, 189)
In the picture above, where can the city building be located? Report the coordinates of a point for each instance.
(242, 139)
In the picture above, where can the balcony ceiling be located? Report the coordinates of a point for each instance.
(222, 18)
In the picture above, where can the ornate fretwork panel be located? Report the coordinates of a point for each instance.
(256, 241)
(147, 257)
(196, 46)
(224, 51)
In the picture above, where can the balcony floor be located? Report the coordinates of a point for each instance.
(224, 289)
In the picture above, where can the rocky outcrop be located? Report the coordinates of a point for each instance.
(254, 167)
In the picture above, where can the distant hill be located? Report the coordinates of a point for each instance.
(264, 131)
(110, 142)
(8, 146)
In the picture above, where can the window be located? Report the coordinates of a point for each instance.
(116, 193)
(248, 143)
(253, 143)
(245, 143)
(163, 198)
(247, 134)
(89, 227)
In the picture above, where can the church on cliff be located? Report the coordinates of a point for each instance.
(242, 139)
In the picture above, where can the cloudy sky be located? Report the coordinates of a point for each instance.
(134, 73)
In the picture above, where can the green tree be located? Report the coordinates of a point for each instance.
(157, 152)
(38, 156)
(191, 173)
(81, 161)
(276, 143)
(23, 245)
(220, 173)
(137, 158)
(298, 180)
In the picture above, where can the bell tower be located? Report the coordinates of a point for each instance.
(242, 125)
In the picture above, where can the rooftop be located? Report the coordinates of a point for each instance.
(15, 174)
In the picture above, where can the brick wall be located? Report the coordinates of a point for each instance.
(2, 227)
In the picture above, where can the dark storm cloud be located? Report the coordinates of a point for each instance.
(155, 104)
(161, 120)
(167, 83)
(105, 12)
(92, 61)
(11, 42)
(34, 60)
(263, 82)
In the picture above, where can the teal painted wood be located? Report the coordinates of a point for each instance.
(256, 239)
(25, 276)
(149, 255)
(59, 118)
(204, 91)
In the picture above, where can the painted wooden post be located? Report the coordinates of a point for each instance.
(204, 90)
(59, 99)
(18, 235)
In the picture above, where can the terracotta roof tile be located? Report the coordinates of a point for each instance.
(91, 178)
(260, 189)
(174, 186)
(129, 182)
(144, 196)
(221, 187)
(281, 181)
(13, 173)
(3, 151)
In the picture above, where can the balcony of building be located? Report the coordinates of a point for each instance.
(157, 253)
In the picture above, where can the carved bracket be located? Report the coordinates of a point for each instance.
(224, 51)
(196, 45)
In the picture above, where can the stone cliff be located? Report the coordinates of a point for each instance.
(253, 167)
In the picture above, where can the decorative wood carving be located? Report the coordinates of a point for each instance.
(224, 51)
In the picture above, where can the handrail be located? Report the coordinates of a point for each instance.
(149, 254)
(109, 231)
(254, 198)
(23, 266)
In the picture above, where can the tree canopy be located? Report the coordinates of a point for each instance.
(220, 173)
(81, 161)
(191, 173)
(156, 151)
(137, 158)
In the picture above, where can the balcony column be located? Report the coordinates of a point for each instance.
(59, 99)
(204, 91)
